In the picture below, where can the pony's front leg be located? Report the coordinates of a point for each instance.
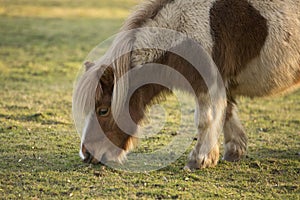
(209, 121)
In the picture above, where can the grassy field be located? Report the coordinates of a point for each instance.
(42, 46)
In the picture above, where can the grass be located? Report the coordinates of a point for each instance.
(41, 51)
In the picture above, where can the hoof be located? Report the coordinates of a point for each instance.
(234, 151)
(203, 160)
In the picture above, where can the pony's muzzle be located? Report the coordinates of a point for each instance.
(87, 156)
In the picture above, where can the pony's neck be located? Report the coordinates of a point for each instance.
(146, 94)
(142, 98)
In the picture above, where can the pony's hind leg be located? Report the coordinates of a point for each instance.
(235, 139)
(209, 121)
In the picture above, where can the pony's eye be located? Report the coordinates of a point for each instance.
(103, 112)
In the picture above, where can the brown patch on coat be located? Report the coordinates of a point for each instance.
(239, 32)
(103, 100)
(152, 93)
(187, 70)
(113, 133)
(145, 11)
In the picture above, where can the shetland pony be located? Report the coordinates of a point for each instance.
(255, 45)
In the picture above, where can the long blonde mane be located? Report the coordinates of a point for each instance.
(123, 45)
(118, 57)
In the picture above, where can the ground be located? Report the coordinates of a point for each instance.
(42, 46)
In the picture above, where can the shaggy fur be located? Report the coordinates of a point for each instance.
(254, 43)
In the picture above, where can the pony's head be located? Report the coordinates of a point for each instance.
(102, 139)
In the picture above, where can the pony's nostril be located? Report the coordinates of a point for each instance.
(88, 157)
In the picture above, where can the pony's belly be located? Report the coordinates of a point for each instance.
(258, 90)
(259, 81)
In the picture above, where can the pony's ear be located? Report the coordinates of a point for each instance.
(107, 78)
(88, 65)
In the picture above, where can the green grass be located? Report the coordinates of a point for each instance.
(40, 57)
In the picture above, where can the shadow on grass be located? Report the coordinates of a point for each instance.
(266, 153)
(67, 160)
